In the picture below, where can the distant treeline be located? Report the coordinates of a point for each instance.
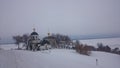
(86, 49)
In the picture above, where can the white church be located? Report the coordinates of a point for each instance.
(34, 42)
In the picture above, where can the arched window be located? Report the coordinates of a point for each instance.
(33, 38)
(36, 37)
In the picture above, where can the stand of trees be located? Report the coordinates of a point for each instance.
(60, 37)
(106, 48)
(86, 50)
(21, 39)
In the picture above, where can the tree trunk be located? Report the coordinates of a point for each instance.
(18, 46)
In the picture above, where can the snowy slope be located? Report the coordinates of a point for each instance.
(56, 58)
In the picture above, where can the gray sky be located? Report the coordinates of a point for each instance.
(69, 17)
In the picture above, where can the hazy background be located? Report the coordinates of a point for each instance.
(69, 17)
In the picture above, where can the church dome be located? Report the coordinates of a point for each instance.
(34, 33)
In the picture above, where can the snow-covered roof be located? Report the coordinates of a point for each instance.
(34, 33)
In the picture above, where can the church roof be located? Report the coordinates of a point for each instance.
(49, 37)
(34, 33)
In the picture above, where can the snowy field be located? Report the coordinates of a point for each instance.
(112, 42)
(10, 46)
(56, 58)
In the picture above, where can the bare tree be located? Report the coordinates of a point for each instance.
(18, 40)
(25, 38)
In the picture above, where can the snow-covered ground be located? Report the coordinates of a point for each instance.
(10, 46)
(57, 58)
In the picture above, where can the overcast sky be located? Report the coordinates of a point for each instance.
(69, 17)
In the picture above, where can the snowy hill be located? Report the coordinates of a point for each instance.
(56, 58)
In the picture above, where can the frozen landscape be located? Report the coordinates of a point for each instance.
(60, 34)
(55, 58)
(112, 42)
